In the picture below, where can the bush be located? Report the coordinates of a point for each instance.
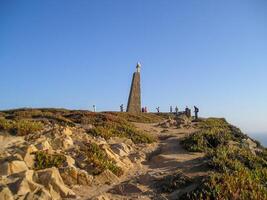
(238, 173)
(108, 126)
(20, 127)
(173, 182)
(242, 184)
(5, 125)
(204, 140)
(44, 160)
(25, 127)
(140, 118)
(98, 160)
(233, 158)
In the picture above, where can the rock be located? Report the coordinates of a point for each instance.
(12, 167)
(17, 156)
(29, 156)
(121, 149)
(22, 183)
(29, 160)
(67, 131)
(106, 177)
(126, 188)
(44, 146)
(69, 175)
(101, 197)
(87, 127)
(73, 176)
(115, 157)
(41, 194)
(84, 178)
(20, 187)
(63, 142)
(69, 161)
(5, 193)
(251, 145)
(31, 149)
(51, 177)
(67, 142)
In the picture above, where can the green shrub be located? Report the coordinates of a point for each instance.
(239, 174)
(108, 126)
(173, 182)
(139, 118)
(25, 127)
(44, 160)
(204, 140)
(98, 160)
(242, 185)
(5, 125)
(233, 158)
(20, 127)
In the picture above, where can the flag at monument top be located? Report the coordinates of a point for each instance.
(134, 101)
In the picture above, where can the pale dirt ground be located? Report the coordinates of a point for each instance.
(167, 157)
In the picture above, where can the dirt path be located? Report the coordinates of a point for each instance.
(167, 157)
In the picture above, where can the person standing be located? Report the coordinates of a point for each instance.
(145, 109)
(170, 109)
(94, 108)
(196, 112)
(176, 110)
(121, 108)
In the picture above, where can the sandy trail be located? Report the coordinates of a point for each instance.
(167, 157)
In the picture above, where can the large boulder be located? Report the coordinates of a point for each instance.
(11, 167)
(51, 178)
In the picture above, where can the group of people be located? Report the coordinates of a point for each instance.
(144, 110)
(187, 111)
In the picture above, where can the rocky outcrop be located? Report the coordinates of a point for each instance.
(74, 176)
(46, 165)
(51, 179)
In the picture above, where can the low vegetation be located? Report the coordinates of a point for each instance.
(141, 118)
(20, 127)
(44, 160)
(239, 173)
(106, 125)
(98, 161)
(173, 182)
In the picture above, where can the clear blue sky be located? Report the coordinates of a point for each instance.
(73, 54)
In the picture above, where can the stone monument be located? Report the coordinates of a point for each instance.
(134, 101)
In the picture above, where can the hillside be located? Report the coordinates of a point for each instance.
(70, 154)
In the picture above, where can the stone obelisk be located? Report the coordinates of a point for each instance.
(134, 101)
